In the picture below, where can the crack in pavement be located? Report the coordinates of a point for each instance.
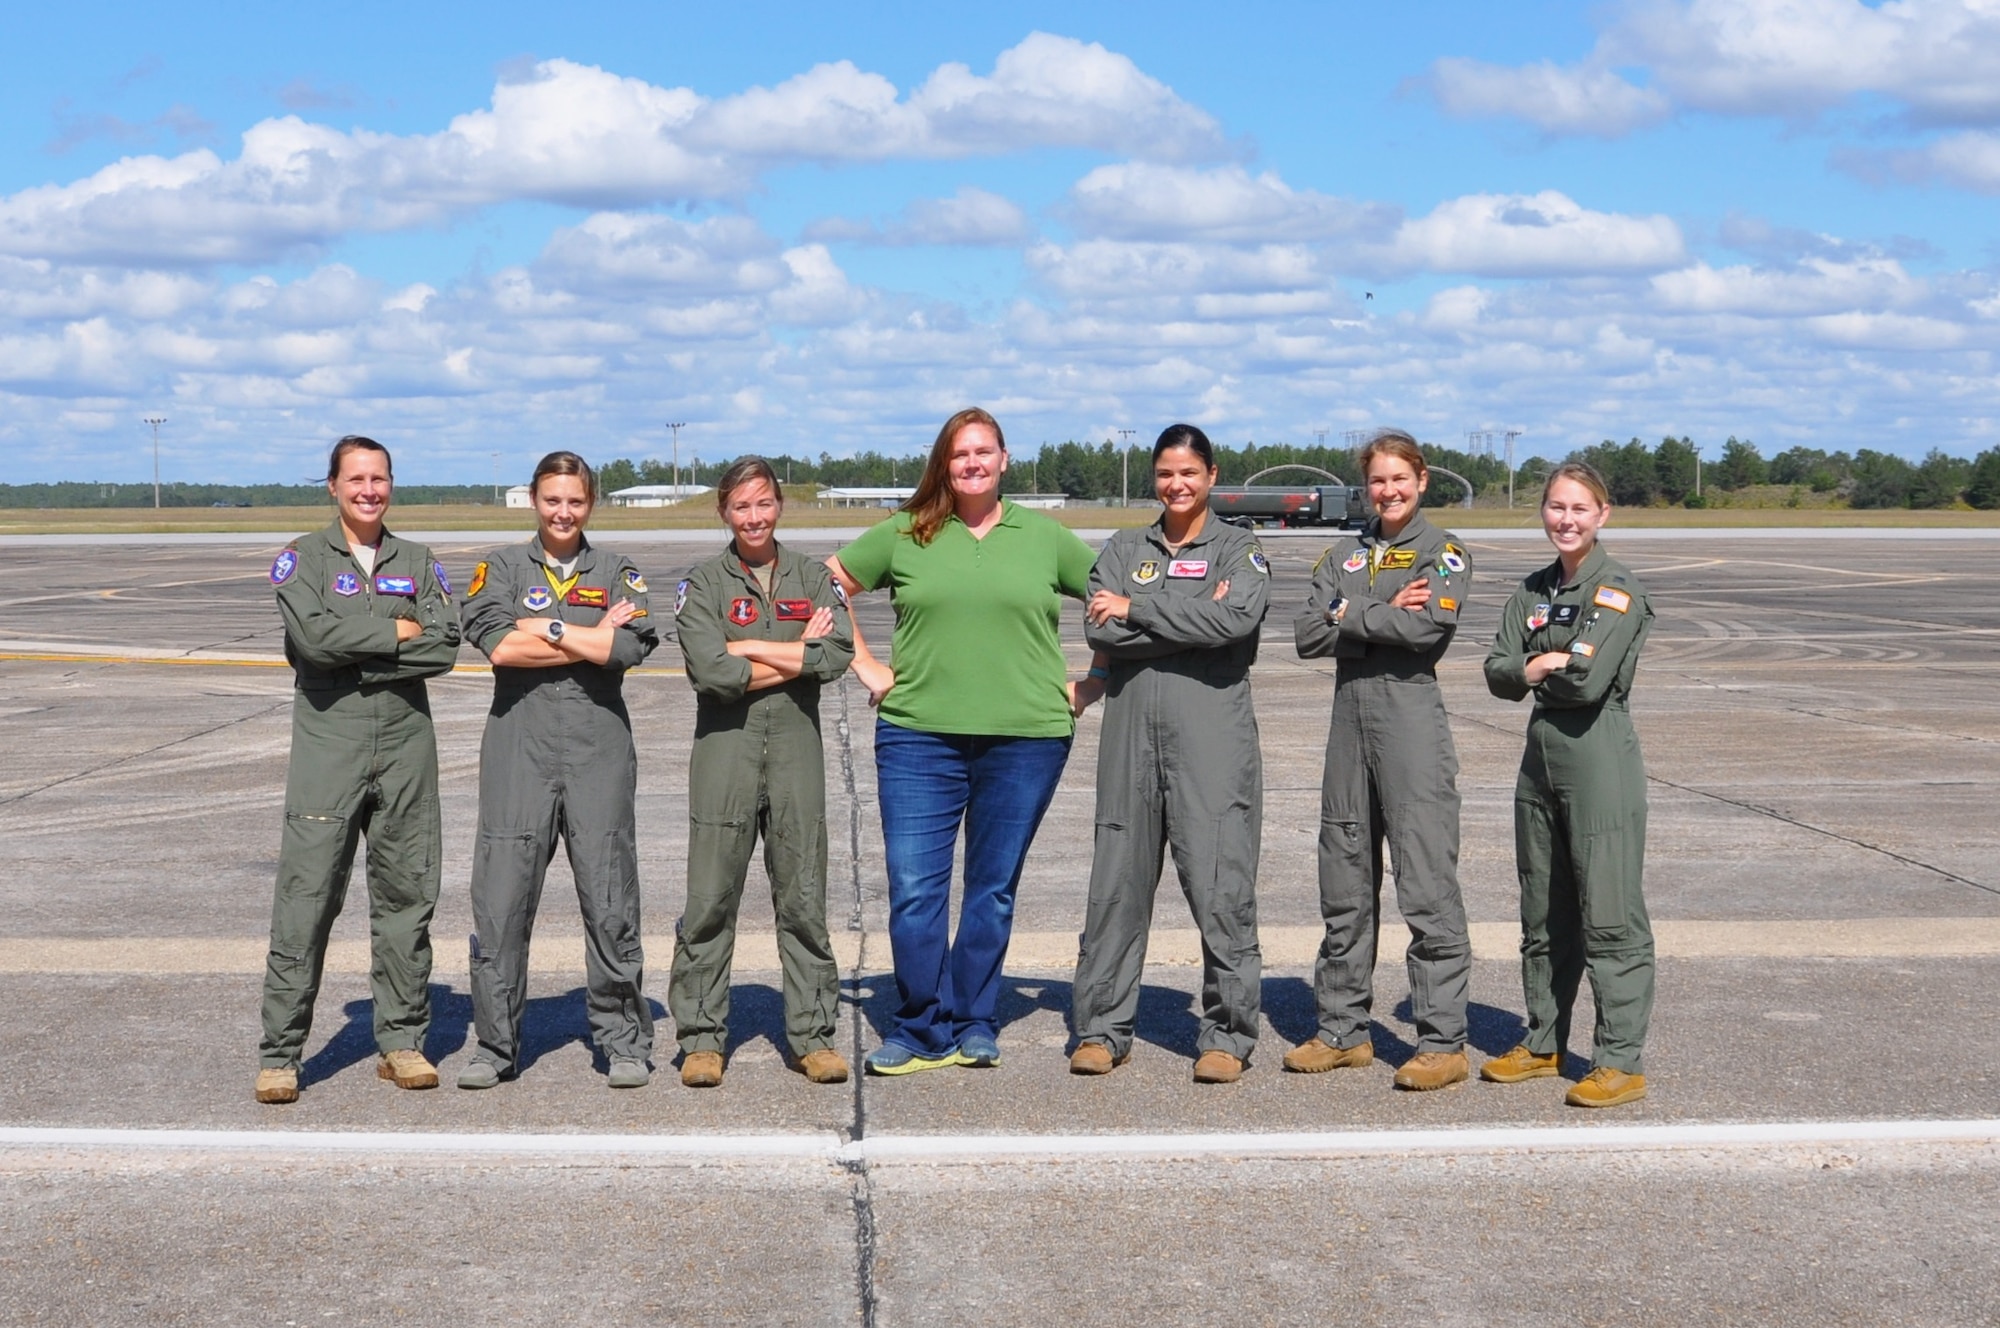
(133, 756)
(862, 1193)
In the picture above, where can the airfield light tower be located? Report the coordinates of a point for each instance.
(156, 421)
(1125, 467)
(1512, 434)
(677, 426)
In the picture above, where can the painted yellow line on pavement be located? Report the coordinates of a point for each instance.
(1283, 947)
(235, 662)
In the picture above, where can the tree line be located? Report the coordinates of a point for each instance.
(74, 493)
(1639, 476)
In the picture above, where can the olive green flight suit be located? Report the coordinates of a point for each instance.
(1391, 771)
(757, 769)
(1177, 764)
(1580, 805)
(364, 762)
(557, 759)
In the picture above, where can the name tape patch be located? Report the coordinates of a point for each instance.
(793, 610)
(590, 597)
(405, 586)
(1187, 568)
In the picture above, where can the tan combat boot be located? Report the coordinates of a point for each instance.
(408, 1068)
(277, 1086)
(1095, 1058)
(1428, 1071)
(1217, 1067)
(1606, 1087)
(1519, 1064)
(824, 1066)
(702, 1069)
(1316, 1057)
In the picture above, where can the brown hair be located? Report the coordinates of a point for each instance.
(1395, 443)
(742, 471)
(1583, 473)
(354, 442)
(565, 463)
(932, 502)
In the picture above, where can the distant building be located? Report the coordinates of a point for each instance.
(657, 495)
(867, 497)
(1045, 501)
(519, 496)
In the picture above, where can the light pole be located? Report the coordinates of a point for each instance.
(496, 479)
(677, 426)
(1125, 467)
(1512, 434)
(156, 421)
(1697, 470)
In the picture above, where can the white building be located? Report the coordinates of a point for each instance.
(519, 496)
(867, 497)
(657, 495)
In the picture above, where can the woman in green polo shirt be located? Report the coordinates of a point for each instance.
(973, 728)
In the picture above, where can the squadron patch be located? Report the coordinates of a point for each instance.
(1187, 569)
(589, 597)
(282, 569)
(1539, 618)
(537, 599)
(635, 582)
(1355, 561)
(347, 583)
(793, 610)
(444, 582)
(1615, 600)
(1452, 560)
(1146, 573)
(839, 592)
(1260, 562)
(478, 581)
(743, 612)
(681, 597)
(406, 586)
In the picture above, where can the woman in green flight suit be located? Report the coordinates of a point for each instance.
(1571, 637)
(760, 629)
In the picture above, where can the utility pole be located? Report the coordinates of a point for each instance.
(496, 479)
(156, 421)
(1125, 467)
(1697, 470)
(1512, 434)
(1321, 435)
(677, 426)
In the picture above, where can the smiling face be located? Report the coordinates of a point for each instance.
(562, 507)
(1571, 517)
(751, 512)
(362, 489)
(1181, 481)
(976, 463)
(1395, 487)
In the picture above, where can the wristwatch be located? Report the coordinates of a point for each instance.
(555, 630)
(1335, 607)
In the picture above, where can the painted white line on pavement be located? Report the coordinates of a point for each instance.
(989, 1148)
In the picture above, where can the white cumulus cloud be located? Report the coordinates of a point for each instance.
(1544, 234)
(1151, 201)
(972, 216)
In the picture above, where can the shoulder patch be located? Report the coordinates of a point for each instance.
(1259, 561)
(634, 581)
(478, 582)
(444, 582)
(839, 592)
(283, 567)
(1615, 600)
(1453, 558)
(681, 596)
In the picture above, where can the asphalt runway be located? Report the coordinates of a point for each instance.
(1822, 730)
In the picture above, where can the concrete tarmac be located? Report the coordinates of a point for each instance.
(1822, 737)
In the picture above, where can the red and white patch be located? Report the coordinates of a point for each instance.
(743, 612)
(1355, 561)
(793, 610)
(1187, 569)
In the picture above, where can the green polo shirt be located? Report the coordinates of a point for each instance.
(976, 649)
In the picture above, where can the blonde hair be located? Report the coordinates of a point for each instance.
(1582, 472)
(933, 502)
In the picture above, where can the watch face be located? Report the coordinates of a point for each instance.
(555, 631)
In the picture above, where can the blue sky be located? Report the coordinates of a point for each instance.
(507, 228)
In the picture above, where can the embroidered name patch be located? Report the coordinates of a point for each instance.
(1397, 560)
(1615, 600)
(396, 585)
(589, 597)
(347, 583)
(281, 570)
(793, 610)
(478, 581)
(1563, 614)
(537, 599)
(743, 612)
(1146, 573)
(1187, 568)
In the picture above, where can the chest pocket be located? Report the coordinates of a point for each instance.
(1560, 621)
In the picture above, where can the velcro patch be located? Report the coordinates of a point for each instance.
(589, 597)
(1453, 559)
(1564, 614)
(478, 582)
(1538, 619)
(681, 597)
(1355, 561)
(1187, 569)
(634, 581)
(444, 582)
(1260, 562)
(282, 569)
(743, 612)
(537, 599)
(346, 583)
(396, 585)
(1615, 600)
(1397, 560)
(793, 610)
(1146, 573)
(1448, 604)
(1584, 648)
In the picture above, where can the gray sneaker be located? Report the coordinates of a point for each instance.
(479, 1074)
(630, 1074)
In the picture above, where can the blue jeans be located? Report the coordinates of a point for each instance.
(930, 783)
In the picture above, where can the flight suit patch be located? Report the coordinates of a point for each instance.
(1539, 618)
(478, 581)
(1584, 648)
(1355, 561)
(743, 612)
(681, 597)
(641, 613)
(839, 593)
(1146, 573)
(537, 599)
(1615, 600)
(634, 582)
(589, 597)
(1260, 562)
(1397, 560)
(793, 610)
(1187, 569)
(406, 586)
(1452, 559)
(282, 568)
(1564, 614)
(444, 582)
(1448, 604)
(347, 583)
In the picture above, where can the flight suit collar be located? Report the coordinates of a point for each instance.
(1586, 570)
(336, 541)
(585, 553)
(780, 565)
(1157, 533)
(1372, 532)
